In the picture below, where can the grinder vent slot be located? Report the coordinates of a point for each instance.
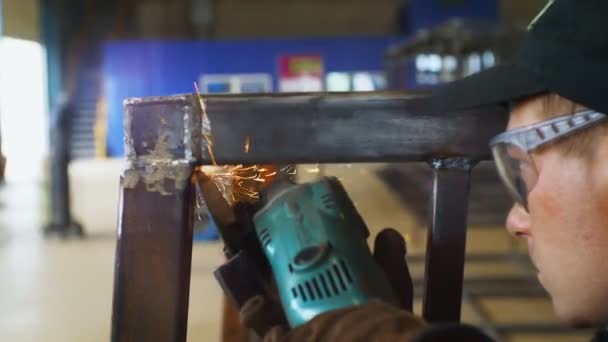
(339, 277)
(342, 274)
(315, 285)
(311, 294)
(324, 285)
(328, 201)
(336, 279)
(332, 282)
(302, 293)
(346, 272)
(264, 236)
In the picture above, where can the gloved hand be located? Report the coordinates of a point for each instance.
(374, 321)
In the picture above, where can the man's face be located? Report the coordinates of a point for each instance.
(566, 225)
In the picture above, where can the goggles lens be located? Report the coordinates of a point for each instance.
(516, 169)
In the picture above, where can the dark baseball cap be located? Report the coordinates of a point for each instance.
(565, 51)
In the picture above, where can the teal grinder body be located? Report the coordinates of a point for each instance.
(315, 242)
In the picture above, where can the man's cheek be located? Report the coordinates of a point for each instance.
(543, 203)
(598, 198)
(596, 218)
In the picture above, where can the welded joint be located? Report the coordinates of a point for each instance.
(165, 178)
(453, 163)
(162, 142)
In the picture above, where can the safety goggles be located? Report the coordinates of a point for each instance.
(511, 149)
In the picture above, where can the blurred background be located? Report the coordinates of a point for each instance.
(67, 65)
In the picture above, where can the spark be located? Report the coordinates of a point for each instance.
(232, 179)
(210, 150)
(247, 144)
(289, 169)
(206, 125)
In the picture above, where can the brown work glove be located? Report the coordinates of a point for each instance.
(374, 321)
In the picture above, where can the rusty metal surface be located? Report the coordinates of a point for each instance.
(446, 240)
(152, 266)
(162, 142)
(303, 128)
(154, 250)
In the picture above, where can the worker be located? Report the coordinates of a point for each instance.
(553, 159)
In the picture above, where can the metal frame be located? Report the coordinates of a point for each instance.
(164, 143)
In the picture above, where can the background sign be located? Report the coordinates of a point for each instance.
(301, 73)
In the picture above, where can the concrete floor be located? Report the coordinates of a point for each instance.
(61, 291)
(53, 290)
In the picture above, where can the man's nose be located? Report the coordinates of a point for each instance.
(518, 221)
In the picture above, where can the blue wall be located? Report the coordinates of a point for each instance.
(155, 68)
(429, 13)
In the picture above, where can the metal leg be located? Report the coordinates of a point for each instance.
(60, 221)
(154, 251)
(446, 240)
(152, 267)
